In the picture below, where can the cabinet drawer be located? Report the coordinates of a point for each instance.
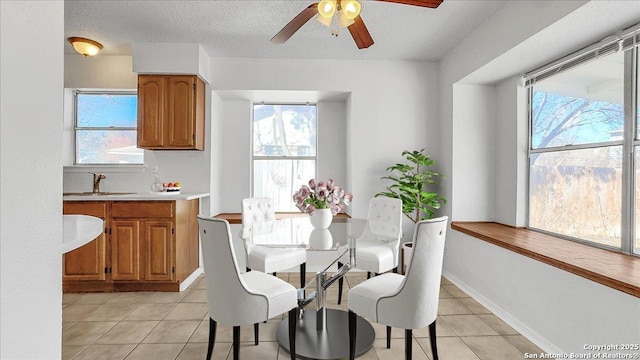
(91, 208)
(139, 209)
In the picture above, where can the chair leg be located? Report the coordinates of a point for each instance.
(388, 337)
(432, 338)
(303, 273)
(352, 335)
(236, 343)
(256, 329)
(340, 283)
(212, 337)
(407, 344)
(248, 269)
(293, 320)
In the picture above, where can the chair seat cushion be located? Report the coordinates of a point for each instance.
(374, 256)
(363, 298)
(268, 259)
(376, 259)
(281, 295)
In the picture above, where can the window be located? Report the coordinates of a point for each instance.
(105, 128)
(580, 180)
(636, 151)
(284, 151)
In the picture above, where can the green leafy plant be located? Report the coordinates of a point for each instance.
(410, 183)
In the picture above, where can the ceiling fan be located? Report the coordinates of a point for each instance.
(341, 14)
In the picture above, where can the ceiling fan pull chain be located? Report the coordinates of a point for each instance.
(334, 25)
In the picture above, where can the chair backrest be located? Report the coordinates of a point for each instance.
(257, 209)
(227, 295)
(415, 305)
(385, 217)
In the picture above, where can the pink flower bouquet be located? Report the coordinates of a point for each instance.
(321, 195)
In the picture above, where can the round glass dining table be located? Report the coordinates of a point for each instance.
(322, 333)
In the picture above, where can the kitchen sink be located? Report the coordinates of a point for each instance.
(97, 193)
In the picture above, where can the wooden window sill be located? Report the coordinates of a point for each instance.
(609, 268)
(236, 218)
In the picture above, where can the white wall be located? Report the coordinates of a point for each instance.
(513, 24)
(217, 139)
(332, 141)
(472, 176)
(392, 107)
(31, 179)
(557, 310)
(99, 72)
(236, 173)
(236, 153)
(191, 168)
(511, 132)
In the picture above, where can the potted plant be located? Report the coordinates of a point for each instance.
(411, 184)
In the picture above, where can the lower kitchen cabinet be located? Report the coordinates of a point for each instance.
(87, 263)
(125, 250)
(149, 246)
(158, 245)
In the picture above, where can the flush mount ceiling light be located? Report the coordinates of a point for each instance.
(346, 14)
(86, 47)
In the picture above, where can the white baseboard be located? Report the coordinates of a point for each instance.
(544, 344)
(191, 278)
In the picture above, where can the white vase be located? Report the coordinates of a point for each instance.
(320, 239)
(321, 218)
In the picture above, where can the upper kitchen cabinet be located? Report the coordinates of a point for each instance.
(171, 112)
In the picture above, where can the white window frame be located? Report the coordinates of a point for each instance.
(280, 157)
(77, 128)
(628, 41)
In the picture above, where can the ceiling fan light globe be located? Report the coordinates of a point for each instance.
(324, 21)
(326, 8)
(344, 21)
(350, 8)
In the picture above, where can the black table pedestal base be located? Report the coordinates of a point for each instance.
(333, 342)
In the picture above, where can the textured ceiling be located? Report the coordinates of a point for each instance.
(243, 28)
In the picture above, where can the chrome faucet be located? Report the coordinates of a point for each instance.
(96, 182)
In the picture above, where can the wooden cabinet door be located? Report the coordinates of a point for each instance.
(151, 110)
(86, 263)
(125, 250)
(159, 252)
(180, 120)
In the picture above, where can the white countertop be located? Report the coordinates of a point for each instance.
(78, 230)
(149, 196)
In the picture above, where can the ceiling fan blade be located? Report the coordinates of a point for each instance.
(360, 33)
(295, 24)
(422, 3)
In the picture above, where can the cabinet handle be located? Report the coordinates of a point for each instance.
(105, 270)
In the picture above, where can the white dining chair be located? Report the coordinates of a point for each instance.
(263, 258)
(383, 221)
(237, 299)
(409, 301)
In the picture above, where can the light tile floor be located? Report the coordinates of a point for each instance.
(159, 326)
